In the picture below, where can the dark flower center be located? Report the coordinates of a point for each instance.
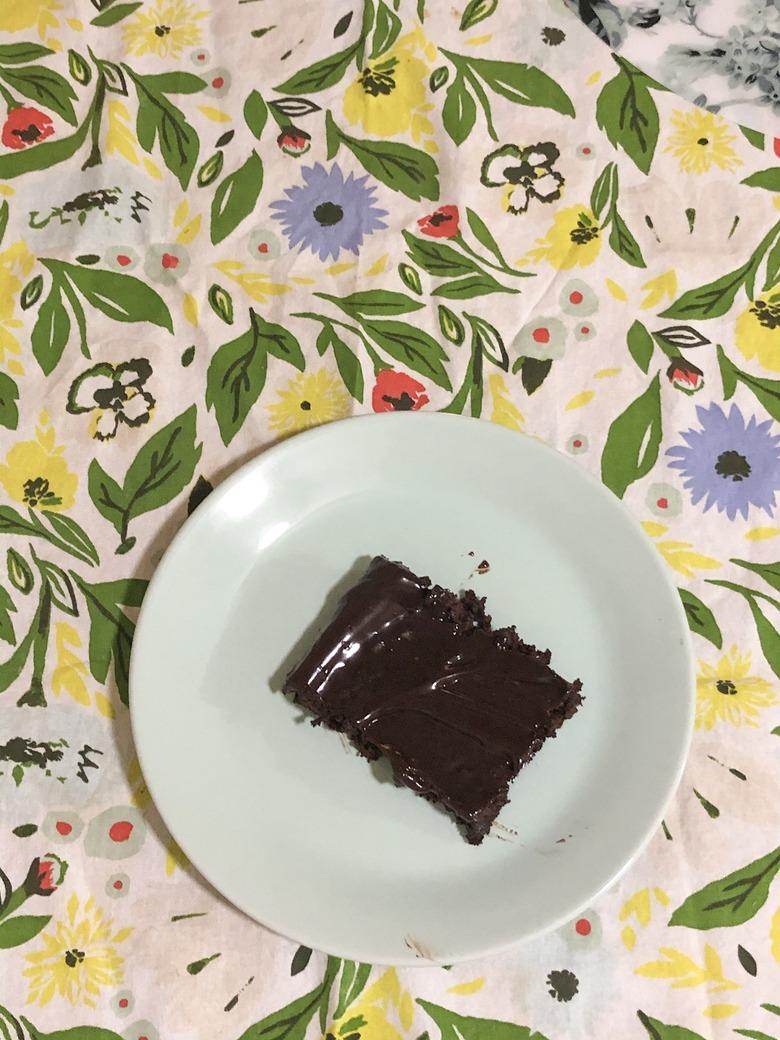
(563, 985)
(404, 403)
(379, 80)
(581, 235)
(162, 30)
(726, 687)
(437, 219)
(37, 492)
(732, 464)
(305, 406)
(552, 36)
(74, 957)
(328, 213)
(28, 134)
(113, 398)
(768, 314)
(702, 141)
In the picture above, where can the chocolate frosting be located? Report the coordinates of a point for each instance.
(417, 674)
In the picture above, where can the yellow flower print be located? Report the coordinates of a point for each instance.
(310, 398)
(164, 29)
(16, 262)
(35, 474)
(757, 331)
(78, 957)
(380, 1010)
(774, 935)
(702, 140)
(727, 692)
(24, 14)
(388, 97)
(572, 241)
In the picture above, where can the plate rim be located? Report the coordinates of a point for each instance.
(296, 443)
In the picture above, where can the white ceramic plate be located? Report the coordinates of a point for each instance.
(293, 827)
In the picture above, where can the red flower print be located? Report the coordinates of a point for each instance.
(685, 376)
(443, 223)
(25, 126)
(397, 392)
(45, 875)
(776, 145)
(293, 141)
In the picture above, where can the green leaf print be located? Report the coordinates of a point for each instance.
(9, 395)
(701, 620)
(476, 11)
(413, 347)
(519, 83)
(767, 391)
(460, 111)
(462, 1027)
(488, 339)
(22, 53)
(633, 441)
(221, 302)
(347, 362)
(289, 1022)
(730, 900)
(711, 300)
(436, 258)
(640, 345)
(20, 929)
(278, 341)
(770, 572)
(626, 112)
(324, 73)
(623, 242)
(43, 86)
(408, 170)
(374, 303)
(115, 14)
(354, 977)
(235, 380)
(451, 326)
(387, 26)
(482, 284)
(768, 636)
(111, 630)
(163, 467)
(602, 194)
(159, 119)
(61, 532)
(658, 1031)
(175, 83)
(768, 179)
(51, 331)
(236, 197)
(7, 607)
(120, 297)
(255, 113)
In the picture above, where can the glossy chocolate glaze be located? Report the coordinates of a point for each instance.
(415, 673)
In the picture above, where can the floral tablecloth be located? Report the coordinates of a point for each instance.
(224, 222)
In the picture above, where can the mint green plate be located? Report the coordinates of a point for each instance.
(284, 819)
